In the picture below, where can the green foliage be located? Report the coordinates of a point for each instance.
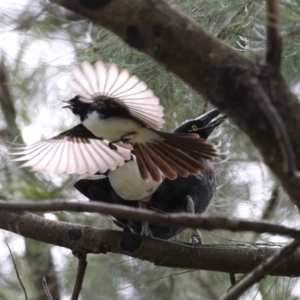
(244, 184)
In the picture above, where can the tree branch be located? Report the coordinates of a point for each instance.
(261, 271)
(178, 219)
(7, 105)
(82, 264)
(17, 272)
(162, 253)
(288, 156)
(274, 44)
(46, 289)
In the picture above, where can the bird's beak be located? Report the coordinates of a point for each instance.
(70, 106)
(206, 118)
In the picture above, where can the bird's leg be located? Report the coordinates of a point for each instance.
(196, 237)
(122, 139)
(145, 224)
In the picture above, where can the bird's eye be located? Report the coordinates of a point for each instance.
(194, 128)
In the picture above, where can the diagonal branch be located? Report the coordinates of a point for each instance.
(17, 272)
(176, 219)
(46, 288)
(289, 165)
(262, 270)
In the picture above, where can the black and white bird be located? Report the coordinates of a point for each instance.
(126, 181)
(123, 114)
(191, 194)
(124, 109)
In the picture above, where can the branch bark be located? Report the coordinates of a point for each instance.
(261, 271)
(219, 73)
(87, 239)
(176, 219)
(274, 45)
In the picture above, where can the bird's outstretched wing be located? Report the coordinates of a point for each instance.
(98, 82)
(74, 151)
(175, 154)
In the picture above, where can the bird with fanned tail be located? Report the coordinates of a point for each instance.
(123, 115)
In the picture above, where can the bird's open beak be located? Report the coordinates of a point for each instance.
(70, 106)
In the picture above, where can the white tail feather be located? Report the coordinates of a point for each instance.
(91, 82)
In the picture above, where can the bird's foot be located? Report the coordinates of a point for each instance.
(145, 228)
(112, 146)
(125, 141)
(196, 238)
(147, 232)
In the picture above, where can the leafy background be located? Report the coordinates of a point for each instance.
(38, 43)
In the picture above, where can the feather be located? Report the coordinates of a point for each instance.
(160, 161)
(189, 142)
(151, 165)
(71, 154)
(179, 168)
(91, 82)
(140, 162)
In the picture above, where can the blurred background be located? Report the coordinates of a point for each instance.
(38, 44)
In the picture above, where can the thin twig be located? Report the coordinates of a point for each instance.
(204, 107)
(232, 278)
(82, 264)
(274, 44)
(7, 104)
(280, 131)
(261, 271)
(46, 289)
(271, 204)
(17, 272)
(268, 211)
(207, 287)
(176, 219)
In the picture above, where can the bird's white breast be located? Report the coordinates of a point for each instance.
(128, 184)
(114, 128)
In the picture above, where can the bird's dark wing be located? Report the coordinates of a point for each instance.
(74, 151)
(93, 83)
(175, 154)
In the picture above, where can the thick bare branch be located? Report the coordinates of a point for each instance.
(162, 253)
(178, 219)
(262, 270)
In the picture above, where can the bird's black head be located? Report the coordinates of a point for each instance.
(202, 125)
(79, 108)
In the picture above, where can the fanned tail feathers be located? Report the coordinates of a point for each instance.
(92, 83)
